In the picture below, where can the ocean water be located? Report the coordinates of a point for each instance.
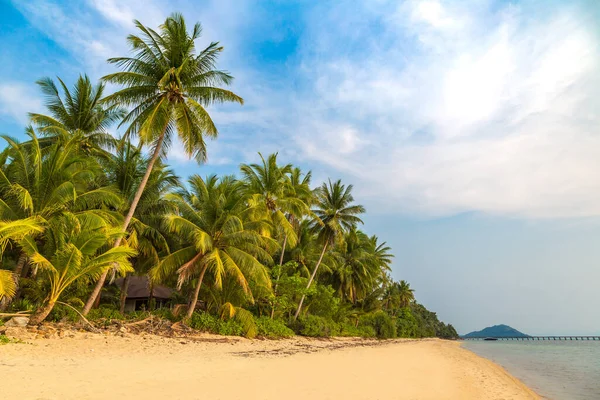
(557, 370)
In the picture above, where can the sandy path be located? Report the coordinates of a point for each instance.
(150, 367)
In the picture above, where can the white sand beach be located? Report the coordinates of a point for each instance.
(97, 366)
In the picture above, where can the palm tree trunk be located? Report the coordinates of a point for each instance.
(279, 274)
(96, 292)
(41, 314)
(194, 299)
(123, 297)
(312, 277)
(16, 276)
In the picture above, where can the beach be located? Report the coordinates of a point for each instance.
(99, 366)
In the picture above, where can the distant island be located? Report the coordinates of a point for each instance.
(496, 331)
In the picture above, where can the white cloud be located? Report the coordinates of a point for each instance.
(486, 110)
(17, 99)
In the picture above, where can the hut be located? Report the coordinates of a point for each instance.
(140, 292)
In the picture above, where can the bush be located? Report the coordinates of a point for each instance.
(381, 323)
(205, 322)
(63, 313)
(349, 330)
(105, 311)
(272, 328)
(315, 326)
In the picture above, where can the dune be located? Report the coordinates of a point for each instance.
(97, 366)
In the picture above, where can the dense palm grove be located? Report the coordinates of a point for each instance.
(265, 252)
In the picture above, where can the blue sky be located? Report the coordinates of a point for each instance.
(470, 129)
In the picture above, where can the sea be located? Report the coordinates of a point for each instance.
(556, 370)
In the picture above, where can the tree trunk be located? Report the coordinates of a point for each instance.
(16, 276)
(279, 275)
(194, 300)
(41, 314)
(123, 297)
(312, 277)
(96, 292)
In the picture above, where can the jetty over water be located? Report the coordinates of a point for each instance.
(534, 338)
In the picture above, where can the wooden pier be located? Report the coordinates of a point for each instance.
(536, 338)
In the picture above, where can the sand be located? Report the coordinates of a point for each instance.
(97, 366)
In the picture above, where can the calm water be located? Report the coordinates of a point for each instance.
(557, 370)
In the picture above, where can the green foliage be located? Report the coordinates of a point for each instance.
(62, 313)
(315, 326)
(205, 322)
(272, 328)
(363, 331)
(381, 323)
(106, 312)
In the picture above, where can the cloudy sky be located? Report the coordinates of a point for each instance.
(470, 129)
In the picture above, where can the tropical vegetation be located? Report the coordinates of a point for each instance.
(265, 252)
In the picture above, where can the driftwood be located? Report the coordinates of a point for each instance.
(18, 314)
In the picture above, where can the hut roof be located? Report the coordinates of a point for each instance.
(139, 288)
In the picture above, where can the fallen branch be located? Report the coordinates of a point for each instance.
(92, 327)
(19, 314)
(149, 319)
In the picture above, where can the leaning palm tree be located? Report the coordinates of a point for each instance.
(167, 85)
(75, 248)
(77, 111)
(336, 214)
(211, 224)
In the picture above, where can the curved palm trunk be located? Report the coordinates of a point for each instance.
(123, 297)
(96, 292)
(16, 276)
(194, 300)
(41, 314)
(312, 277)
(279, 275)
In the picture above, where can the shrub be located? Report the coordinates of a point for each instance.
(315, 326)
(105, 311)
(381, 322)
(349, 330)
(205, 322)
(61, 312)
(272, 328)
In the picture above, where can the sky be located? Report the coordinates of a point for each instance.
(470, 129)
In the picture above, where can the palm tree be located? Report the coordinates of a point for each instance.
(361, 265)
(211, 223)
(398, 295)
(168, 85)
(74, 248)
(405, 294)
(336, 215)
(80, 111)
(37, 184)
(125, 170)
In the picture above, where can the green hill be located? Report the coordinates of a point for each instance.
(496, 331)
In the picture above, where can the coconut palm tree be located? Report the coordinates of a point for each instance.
(77, 111)
(211, 223)
(126, 170)
(405, 294)
(74, 248)
(167, 85)
(361, 265)
(37, 184)
(336, 214)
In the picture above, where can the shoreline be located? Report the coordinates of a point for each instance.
(100, 366)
